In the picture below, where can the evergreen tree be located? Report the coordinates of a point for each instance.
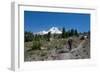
(37, 37)
(67, 34)
(72, 32)
(76, 33)
(48, 36)
(28, 36)
(63, 33)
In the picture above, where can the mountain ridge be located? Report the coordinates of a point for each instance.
(53, 30)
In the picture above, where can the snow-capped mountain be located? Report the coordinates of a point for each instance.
(53, 30)
(42, 32)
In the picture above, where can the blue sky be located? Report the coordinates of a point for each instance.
(36, 21)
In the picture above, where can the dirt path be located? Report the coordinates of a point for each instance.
(69, 55)
(80, 46)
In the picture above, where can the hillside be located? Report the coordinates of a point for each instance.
(57, 49)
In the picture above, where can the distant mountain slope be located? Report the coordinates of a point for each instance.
(53, 30)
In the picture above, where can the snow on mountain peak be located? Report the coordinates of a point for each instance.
(42, 32)
(53, 30)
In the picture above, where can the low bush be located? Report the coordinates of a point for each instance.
(36, 45)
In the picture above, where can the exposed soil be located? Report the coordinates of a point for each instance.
(57, 49)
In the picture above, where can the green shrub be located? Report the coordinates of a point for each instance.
(36, 45)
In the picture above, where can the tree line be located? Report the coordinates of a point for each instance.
(69, 33)
(28, 36)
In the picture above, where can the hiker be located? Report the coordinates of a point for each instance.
(70, 44)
